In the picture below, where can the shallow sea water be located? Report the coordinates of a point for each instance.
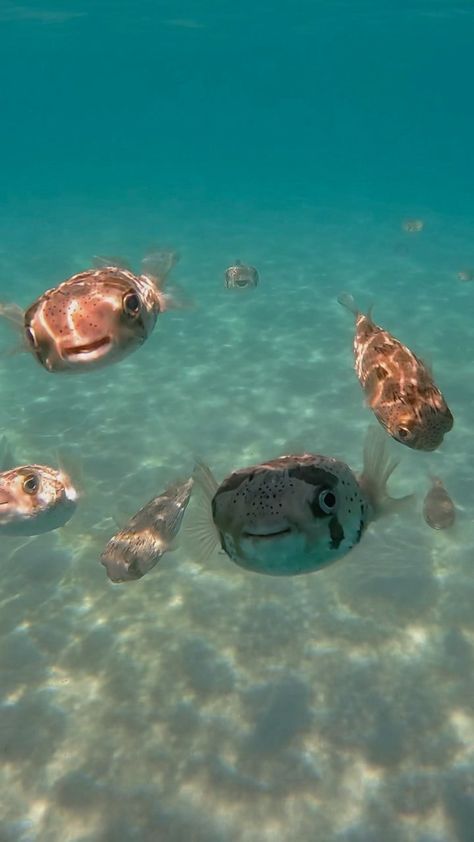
(203, 702)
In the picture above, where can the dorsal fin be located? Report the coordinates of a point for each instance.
(101, 261)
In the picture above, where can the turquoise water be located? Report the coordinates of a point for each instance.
(205, 703)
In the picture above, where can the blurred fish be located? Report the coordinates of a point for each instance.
(138, 547)
(412, 226)
(241, 276)
(438, 508)
(466, 275)
(96, 317)
(292, 515)
(34, 498)
(398, 386)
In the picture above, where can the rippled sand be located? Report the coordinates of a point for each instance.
(204, 703)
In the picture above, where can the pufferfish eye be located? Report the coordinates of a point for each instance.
(131, 304)
(403, 432)
(327, 501)
(30, 335)
(31, 484)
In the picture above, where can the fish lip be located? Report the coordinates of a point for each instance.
(80, 351)
(266, 536)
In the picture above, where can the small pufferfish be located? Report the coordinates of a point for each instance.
(413, 226)
(147, 536)
(438, 508)
(292, 515)
(240, 276)
(398, 386)
(465, 275)
(34, 498)
(96, 317)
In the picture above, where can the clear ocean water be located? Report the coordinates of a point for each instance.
(204, 703)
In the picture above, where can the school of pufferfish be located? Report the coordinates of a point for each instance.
(292, 515)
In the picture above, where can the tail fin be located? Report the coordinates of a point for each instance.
(347, 301)
(377, 470)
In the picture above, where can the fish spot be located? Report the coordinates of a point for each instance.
(380, 372)
(313, 476)
(336, 532)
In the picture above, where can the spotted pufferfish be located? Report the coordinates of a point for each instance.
(398, 386)
(33, 498)
(292, 515)
(96, 317)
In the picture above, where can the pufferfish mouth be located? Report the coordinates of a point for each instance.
(266, 534)
(100, 345)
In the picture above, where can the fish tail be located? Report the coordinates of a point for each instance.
(347, 301)
(378, 467)
(201, 535)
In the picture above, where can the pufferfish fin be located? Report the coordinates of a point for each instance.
(13, 314)
(175, 299)
(378, 467)
(200, 534)
(70, 464)
(101, 261)
(159, 264)
(347, 300)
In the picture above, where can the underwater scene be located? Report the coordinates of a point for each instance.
(236, 533)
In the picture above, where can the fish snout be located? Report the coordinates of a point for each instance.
(5, 497)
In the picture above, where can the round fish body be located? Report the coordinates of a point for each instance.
(413, 226)
(35, 499)
(93, 319)
(241, 276)
(398, 386)
(438, 508)
(289, 516)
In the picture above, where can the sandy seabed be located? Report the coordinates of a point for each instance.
(204, 703)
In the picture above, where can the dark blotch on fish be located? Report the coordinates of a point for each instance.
(337, 533)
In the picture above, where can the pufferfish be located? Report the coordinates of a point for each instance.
(398, 386)
(292, 515)
(439, 511)
(34, 499)
(147, 536)
(241, 276)
(96, 317)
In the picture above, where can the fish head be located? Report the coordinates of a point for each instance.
(421, 427)
(296, 514)
(241, 276)
(92, 319)
(35, 499)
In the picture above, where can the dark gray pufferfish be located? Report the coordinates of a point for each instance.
(292, 515)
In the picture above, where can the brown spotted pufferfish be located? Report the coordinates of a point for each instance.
(398, 386)
(96, 317)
